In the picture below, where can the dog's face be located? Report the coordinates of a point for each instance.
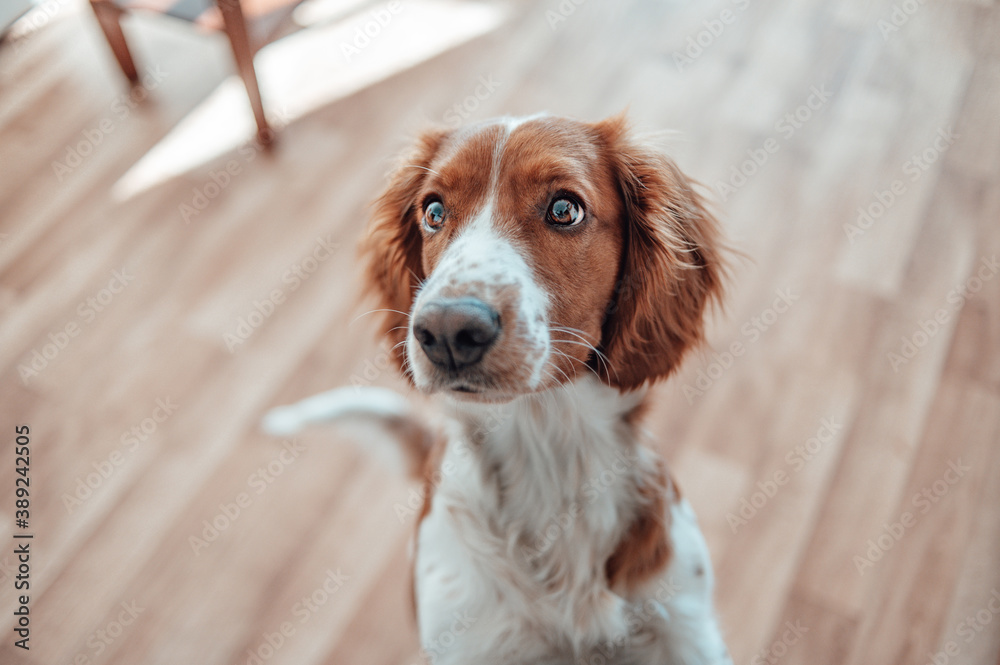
(516, 254)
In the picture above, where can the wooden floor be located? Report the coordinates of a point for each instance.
(845, 465)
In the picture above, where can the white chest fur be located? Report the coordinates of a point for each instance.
(532, 499)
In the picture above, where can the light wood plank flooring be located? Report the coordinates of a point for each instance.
(845, 465)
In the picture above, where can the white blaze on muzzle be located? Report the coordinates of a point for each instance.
(482, 264)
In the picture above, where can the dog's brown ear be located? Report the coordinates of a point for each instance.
(672, 267)
(392, 246)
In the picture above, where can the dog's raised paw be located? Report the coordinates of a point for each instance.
(281, 421)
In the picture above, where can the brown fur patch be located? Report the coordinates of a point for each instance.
(644, 551)
(672, 268)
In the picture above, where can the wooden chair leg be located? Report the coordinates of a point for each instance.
(236, 29)
(109, 17)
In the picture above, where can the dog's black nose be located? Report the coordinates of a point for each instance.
(456, 332)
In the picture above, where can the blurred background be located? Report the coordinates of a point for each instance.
(172, 264)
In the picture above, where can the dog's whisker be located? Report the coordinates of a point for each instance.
(560, 370)
(578, 334)
(571, 360)
(576, 360)
(600, 356)
(420, 281)
(422, 168)
(374, 311)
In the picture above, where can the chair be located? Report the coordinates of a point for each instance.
(266, 20)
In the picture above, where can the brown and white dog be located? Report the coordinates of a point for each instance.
(539, 273)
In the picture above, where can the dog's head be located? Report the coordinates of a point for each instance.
(515, 254)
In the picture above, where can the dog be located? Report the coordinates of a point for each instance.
(537, 275)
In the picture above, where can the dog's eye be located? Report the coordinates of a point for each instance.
(565, 211)
(434, 214)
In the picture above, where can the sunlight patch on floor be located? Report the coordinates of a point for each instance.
(315, 12)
